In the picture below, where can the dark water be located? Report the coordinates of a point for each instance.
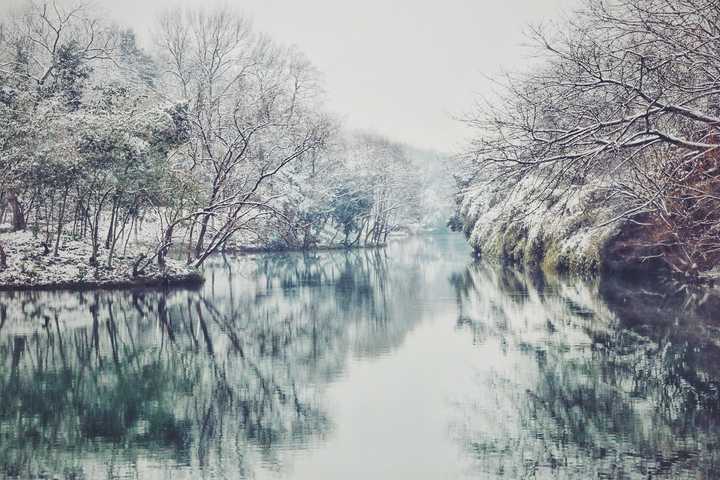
(405, 363)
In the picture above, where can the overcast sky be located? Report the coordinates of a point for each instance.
(402, 68)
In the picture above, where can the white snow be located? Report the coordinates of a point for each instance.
(573, 223)
(30, 266)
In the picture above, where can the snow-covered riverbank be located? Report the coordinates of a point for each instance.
(561, 233)
(583, 230)
(30, 265)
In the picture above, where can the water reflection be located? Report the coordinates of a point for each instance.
(118, 384)
(589, 380)
(409, 362)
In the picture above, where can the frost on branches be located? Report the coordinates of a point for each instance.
(122, 163)
(625, 103)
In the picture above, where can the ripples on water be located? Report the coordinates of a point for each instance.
(405, 363)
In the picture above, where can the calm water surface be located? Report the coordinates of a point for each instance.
(411, 362)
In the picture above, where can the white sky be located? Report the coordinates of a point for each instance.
(402, 68)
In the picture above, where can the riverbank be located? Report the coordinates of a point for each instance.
(560, 235)
(582, 233)
(31, 265)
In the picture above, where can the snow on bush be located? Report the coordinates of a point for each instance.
(560, 231)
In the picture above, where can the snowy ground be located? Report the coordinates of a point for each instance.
(30, 267)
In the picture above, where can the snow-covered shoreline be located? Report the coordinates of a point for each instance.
(30, 266)
(571, 233)
(581, 230)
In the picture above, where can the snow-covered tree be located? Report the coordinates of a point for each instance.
(254, 108)
(625, 100)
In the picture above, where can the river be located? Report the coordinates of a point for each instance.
(409, 362)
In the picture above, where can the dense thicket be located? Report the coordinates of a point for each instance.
(625, 100)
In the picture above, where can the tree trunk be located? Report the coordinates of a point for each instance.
(111, 228)
(120, 225)
(190, 242)
(3, 258)
(95, 230)
(201, 236)
(61, 219)
(133, 221)
(3, 207)
(18, 217)
(204, 223)
(167, 241)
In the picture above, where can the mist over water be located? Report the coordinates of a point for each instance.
(405, 362)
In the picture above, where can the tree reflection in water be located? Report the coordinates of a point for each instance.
(563, 379)
(590, 380)
(112, 383)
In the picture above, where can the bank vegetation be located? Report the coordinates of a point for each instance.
(606, 154)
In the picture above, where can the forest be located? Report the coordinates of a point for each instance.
(215, 138)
